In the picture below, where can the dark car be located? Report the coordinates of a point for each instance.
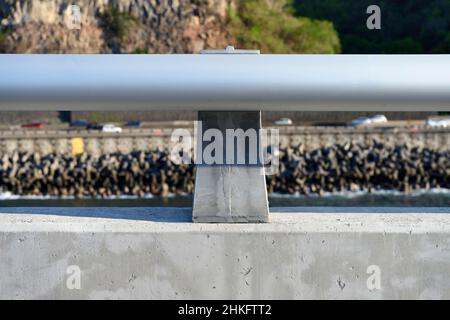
(33, 125)
(79, 123)
(94, 126)
(134, 124)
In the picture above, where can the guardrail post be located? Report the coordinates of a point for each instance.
(236, 192)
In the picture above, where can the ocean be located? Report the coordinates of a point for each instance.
(429, 198)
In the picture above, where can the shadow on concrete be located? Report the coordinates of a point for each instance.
(179, 215)
(155, 214)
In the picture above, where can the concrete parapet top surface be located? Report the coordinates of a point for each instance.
(282, 220)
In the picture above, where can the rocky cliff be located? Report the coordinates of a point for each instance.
(118, 26)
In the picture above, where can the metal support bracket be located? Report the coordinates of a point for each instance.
(236, 192)
(230, 193)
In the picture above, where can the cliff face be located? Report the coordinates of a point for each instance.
(119, 26)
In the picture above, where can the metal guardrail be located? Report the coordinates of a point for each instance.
(217, 85)
(225, 82)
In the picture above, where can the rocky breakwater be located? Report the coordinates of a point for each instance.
(137, 173)
(360, 167)
(334, 168)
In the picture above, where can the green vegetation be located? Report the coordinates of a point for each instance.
(2, 38)
(269, 25)
(3, 34)
(407, 26)
(140, 51)
(117, 22)
(102, 117)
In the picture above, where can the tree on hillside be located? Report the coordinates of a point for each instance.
(269, 25)
(407, 26)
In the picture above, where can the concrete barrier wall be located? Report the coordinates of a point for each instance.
(88, 253)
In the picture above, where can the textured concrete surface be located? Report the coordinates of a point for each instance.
(301, 253)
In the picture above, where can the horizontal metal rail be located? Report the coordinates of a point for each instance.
(225, 82)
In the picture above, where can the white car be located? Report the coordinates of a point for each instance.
(360, 121)
(379, 118)
(439, 122)
(283, 122)
(110, 128)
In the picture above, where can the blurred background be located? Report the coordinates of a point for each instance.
(188, 26)
(121, 158)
